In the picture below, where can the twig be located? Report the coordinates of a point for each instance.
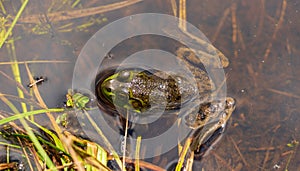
(25, 153)
(8, 166)
(189, 163)
(277, 27)
(267, 156)
(234, 28)
(284, 93)
(32, 62)
(146, 165)
(182, 15)
(261, 18)
(288, 46)
(125, 142)
(22, 100)
(68, 142)
(287, 153)
(225, 163)
(220, 25)
(174, 7)
(252, 73)
(241, 39)
(262, 148)
(19, 85)
(239, 152)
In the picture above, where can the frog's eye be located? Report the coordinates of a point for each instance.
(107, 86)
(108, 89)
(124, 76)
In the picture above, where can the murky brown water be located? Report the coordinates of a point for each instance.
(262, 75)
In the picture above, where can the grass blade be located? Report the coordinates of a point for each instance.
(25, 114)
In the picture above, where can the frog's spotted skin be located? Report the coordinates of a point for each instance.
(140, 90)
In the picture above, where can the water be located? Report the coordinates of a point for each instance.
(265, 84)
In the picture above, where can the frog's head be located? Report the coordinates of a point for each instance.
(117, 83)
(116, 90)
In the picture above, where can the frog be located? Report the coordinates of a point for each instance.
(139, 90)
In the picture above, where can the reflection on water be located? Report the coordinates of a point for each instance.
(259, 37)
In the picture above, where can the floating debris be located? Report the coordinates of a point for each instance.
(37, 81)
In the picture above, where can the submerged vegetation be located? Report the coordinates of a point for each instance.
(34, 146)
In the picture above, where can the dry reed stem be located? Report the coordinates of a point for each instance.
(254, 149)
(241, 39)
(267, 156)
(25, 153)
(174, 7)
(68, 143)
(125, 142)
(67, 15)
(277, 27)
(32, 62)
(239, 152)
(224, 162)
(261, 18)
(220, 25)
(147, 165)
(234, 28)
(19, 85)
(284, 93)
(182, 15)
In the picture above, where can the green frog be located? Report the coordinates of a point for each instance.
(139, 90)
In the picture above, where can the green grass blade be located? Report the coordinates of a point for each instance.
(37, 145)
(56, 140)
(9, 145)
(26, 114)
(14, 22)
(16, 71)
